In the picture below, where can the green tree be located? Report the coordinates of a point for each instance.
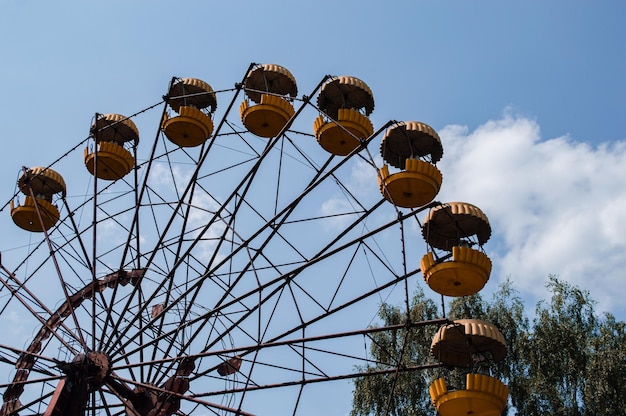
(557, 352)
(605, 390)
(575, 363)
(505, 311)
(567, 362)
(401, 393)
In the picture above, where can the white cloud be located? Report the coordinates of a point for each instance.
(164, 176)
(556, 206)
(202, 212)
(339, 204)
(335, 207)
(362, 175)
(16, 324)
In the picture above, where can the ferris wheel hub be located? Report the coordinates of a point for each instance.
(92, 367)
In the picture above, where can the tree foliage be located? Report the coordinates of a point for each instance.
(402, 393)
(566, 361)
(605, 388)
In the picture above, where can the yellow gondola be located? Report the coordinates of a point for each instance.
(483, 396)
(450, 224)
(111, 132)
(451, 227)
(465, 342)
(194, 101)
(465, 274)
(342, 126)
(418, 181)
(267, 109)
(415, 186)
(38, 213)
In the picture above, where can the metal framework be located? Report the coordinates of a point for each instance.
(269, 252)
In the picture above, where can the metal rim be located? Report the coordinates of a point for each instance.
(238, 255)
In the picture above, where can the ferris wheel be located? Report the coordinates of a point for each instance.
(214, 259)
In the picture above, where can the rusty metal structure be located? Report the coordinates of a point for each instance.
(234, 262)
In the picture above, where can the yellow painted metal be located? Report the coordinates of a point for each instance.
(191, 92)
(345, 92)
(269, 78)
(114, 161)
(466, 274)
(449, 224)
(483, 396)
(466, 341)
(43, 181)
(114, 128)
(25, 215)
(190, 128)
(410, 139)
(343, 136)
(414, 187)
(268, 118)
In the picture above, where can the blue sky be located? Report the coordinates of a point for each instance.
(528, 98)
(558, 62)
